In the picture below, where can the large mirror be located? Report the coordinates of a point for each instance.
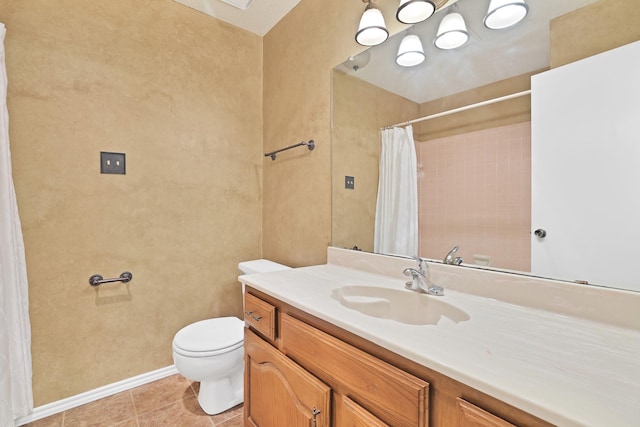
(474, 166)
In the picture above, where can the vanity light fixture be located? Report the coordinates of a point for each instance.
(372, 30)
(505, 13)
(452, 32)
(414, 11)
(410, 52)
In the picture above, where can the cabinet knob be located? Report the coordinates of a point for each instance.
(540, 233)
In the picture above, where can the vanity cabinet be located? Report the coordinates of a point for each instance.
(313, 367)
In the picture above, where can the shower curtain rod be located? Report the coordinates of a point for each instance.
(460, 109)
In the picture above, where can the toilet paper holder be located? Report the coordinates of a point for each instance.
(97, 279)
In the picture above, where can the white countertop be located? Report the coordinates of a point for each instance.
(569, 371)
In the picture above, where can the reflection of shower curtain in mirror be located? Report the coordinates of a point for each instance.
(396, 227)
(15, 332)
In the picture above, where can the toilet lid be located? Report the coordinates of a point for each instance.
(210, 335)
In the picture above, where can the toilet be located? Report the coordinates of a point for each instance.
(211, 351)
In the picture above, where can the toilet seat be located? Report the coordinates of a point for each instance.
(209, 337)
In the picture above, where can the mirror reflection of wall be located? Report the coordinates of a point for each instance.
(474, 191)
(358, 118)
(361, 109)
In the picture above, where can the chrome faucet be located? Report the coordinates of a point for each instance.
(420, 280)
(450, 259)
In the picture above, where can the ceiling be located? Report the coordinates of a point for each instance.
(259, 18)
(489, 55)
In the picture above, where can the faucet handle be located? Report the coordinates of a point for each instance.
(450, 258)
(421, 263)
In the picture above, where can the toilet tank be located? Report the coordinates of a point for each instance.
(260, 266)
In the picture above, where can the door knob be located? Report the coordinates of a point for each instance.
(540, 233)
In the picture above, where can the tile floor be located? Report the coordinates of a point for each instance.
(167, 402)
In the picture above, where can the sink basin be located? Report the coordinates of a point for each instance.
(401, 305)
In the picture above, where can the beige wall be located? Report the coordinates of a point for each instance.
(515, 110)
(299, 54)
(594, 29)
(181, 94)
(359, 111)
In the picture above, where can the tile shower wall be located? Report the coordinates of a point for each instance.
(475, 192)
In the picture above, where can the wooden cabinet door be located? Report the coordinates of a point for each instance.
(469, 415)
(354, 415)
(280, 393)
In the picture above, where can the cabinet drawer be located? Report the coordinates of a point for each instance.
(469, 415)
(392, 395)
(260, 315)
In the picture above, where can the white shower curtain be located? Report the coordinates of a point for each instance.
(16, 399)
(396, 228)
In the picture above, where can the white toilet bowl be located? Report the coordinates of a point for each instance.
(211, 351)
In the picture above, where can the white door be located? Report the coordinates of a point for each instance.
(585, 152)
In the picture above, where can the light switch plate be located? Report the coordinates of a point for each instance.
(349, 182)
(112, 163)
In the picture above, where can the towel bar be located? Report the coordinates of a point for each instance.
(310, 145)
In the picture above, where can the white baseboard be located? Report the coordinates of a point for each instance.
(95, 394)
